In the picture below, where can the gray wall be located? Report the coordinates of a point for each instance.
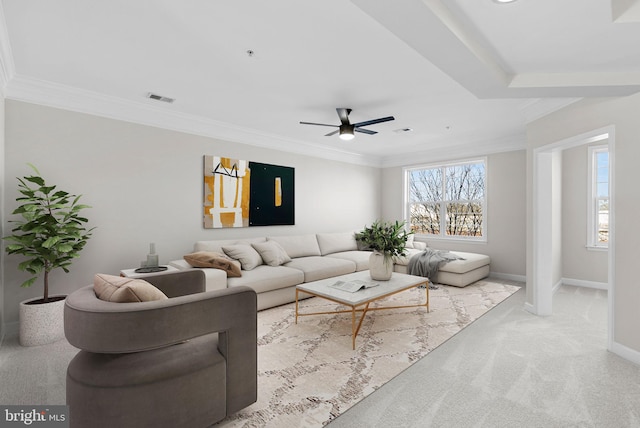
(506, 215)
(577, 119)
(578, 262)
(145, 185)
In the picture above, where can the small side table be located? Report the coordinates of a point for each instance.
(131, 273)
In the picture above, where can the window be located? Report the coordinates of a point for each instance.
(447, 200)
(598, 215)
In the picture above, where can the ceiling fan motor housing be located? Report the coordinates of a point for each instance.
(346, 128)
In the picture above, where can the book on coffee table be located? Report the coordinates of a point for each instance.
(353, 285)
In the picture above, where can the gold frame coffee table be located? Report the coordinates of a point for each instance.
(360, 300)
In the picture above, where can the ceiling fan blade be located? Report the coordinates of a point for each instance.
(374, 121)
(365, 131)
(319, 124)
(332, 133)
(343, 114)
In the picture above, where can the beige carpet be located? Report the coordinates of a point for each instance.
(308, 373)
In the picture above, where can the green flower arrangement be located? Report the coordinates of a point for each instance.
(387, 238)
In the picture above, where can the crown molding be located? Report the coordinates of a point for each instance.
(457, 151)
(7, 67)
(625, 11)
(541, 107)
(42, 92)
(50, 94)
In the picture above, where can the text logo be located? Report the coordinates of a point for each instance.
(34, 416)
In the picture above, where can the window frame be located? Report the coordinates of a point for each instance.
(593, 198)
(442, 235)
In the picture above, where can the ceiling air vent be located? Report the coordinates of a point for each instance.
(160, 98)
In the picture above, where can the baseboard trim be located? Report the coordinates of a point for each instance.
(11, 329)
(625, 352)
(557, 286)
(586, 284)
(508, 276)
(529, 308)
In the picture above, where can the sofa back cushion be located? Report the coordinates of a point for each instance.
(298, 245)
(216, 246)
(330, 243)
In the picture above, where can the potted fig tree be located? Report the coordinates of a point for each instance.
(50, 233)
(387, 240)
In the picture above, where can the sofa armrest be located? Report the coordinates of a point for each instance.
(215, 279)
(180, 283)
(180, 264)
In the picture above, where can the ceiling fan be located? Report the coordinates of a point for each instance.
(346, 129)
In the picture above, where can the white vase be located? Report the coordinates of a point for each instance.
(42, 323)
(380, 266)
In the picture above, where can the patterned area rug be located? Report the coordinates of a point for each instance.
(308, 373)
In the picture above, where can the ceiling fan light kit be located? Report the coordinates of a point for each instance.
(347, 129)
(346, 132)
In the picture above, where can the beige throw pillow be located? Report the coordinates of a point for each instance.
(272, 253)
(245, 254)
(212, 259)
(125, 290)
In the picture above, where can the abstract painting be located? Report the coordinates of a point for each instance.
(240, 193)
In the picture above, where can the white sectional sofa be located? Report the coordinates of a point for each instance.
(309, 258)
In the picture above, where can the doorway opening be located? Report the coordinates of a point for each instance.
(547, 214)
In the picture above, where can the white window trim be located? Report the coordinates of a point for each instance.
(592, 240)
(407, 213)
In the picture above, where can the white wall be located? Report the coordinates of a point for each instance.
(570, 122)
(506, 215)
(556, 222)
(578, 263)
(2, 216)
(145, 185)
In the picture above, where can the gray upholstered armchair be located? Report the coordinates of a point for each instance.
(186, 361)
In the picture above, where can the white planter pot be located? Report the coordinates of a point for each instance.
(380, 267)
(41, 323)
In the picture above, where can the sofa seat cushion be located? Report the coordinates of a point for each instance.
(471, 261)
(360, 258)
(266, 278)
(404, 260)
(330, 243)
(316, 267)
(298, 245)
(114, 370)
(462, 279)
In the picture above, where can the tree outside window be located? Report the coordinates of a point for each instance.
(598, 232)
(447, 200)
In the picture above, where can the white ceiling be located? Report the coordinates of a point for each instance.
(465, 75)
